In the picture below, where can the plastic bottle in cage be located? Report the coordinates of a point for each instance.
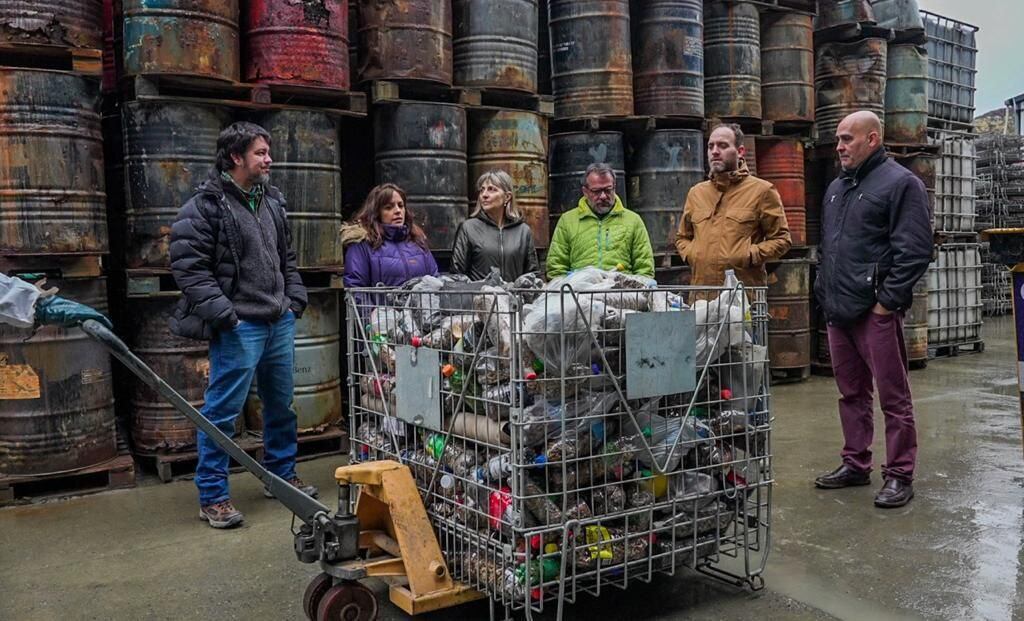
(459, 461)
(637, 500)
(499, 507)
(496, 470)
(538, 571)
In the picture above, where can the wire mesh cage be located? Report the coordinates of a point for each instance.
(572, 437)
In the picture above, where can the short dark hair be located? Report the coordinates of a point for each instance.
(737, 132)
(235, 140)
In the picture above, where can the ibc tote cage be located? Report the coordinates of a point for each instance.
(572, 439)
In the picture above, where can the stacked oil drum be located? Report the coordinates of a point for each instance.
(57, 419)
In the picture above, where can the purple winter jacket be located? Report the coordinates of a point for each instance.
(396, 261)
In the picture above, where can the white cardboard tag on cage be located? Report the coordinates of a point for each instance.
(660, 354)
(418, 398)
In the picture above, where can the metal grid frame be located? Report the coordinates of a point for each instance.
(952, 67)
(955, 295)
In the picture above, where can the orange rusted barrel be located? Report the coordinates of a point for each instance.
(789, 324)
(405, 40)
(781, 161)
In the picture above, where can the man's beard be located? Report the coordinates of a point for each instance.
(602, 209)
(261, 179)
(724, 166)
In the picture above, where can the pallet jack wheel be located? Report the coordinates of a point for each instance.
(315, 592)
(347, 601)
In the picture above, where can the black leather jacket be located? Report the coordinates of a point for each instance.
(481, 245)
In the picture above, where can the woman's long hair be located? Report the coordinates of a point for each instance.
(503, 181)
(369, 216)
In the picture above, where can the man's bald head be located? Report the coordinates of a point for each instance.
(858, 136)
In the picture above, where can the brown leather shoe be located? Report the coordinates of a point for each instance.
(843, 476)
(221, 515)
(894, 493)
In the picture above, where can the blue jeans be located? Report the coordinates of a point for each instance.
(264, 350)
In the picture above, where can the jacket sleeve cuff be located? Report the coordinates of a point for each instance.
(887, 302)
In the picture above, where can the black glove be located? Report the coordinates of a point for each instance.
(59, 311)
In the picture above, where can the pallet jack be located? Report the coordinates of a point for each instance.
(388, 536)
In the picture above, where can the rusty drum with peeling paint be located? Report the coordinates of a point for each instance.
(900, 15)
(71, 23)
(317, 370)
(182, 37)
(836, 13)
(110, 65)
(421, 147)
(353, 36)
(495, 44)
(906, 95)
(787, 67)
(183, 363)
(570, 154)
(306, 149)
(170, 148)
(56, 393)
(924, 167)
(732, 61)
(781, 161)
(405, 40)
(789, 311)
(663, 166)
(52, 190)
(668, 58)
(516, 142)
(848, 77)
(296, 42)
(915, 323)
(592, 67)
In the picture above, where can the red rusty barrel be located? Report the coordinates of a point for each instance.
(787, 67)
(781, 161)
(732, 60)
(495, 44)
(71, 23)
(848, 77)
(669, 60)
(789, 324)
(405, 40)
(296, 42)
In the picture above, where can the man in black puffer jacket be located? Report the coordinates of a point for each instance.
(876, 243)
(232, 258)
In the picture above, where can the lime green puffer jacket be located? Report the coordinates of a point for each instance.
(619, 241)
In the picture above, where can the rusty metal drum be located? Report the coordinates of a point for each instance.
(915, 323)
(789, 325)
(543, 50)
(848, 77)
(71, 23)
(663, 166)
(182, 37)
(421, 147)
(570, 154)
(56, 393)
(495, 44)
(405, 40)
(838, 13)
(297, 42)
(590, 79)
(306, 148)
(900, 15)
(668, 59)
(906, 95)
(52, 190)
(781, 161)
(925, 167)
(170, 148)
(516, 142)
(732, 61)
(787, 68)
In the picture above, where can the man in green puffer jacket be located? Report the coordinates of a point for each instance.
(600, 232)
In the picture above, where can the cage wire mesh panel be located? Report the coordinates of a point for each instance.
(544, 479)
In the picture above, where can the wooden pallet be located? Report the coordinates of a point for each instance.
(149, 282)
(852, 32)
(917, 365)
(54, 265)
(916, 36)
(387, 91)
(945, 125)
(117, 473)
(787, 129)
(803, 7)
(952, 351)
(790, 376)
(822, 369)
(332, 440)
(316, 96)
(909, 150)
(632, 123)
(81, 60)
(323, 277)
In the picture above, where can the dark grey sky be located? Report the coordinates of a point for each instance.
(1000, 45)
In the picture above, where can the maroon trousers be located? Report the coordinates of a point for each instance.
(873, 349)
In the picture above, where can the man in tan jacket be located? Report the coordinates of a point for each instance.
(732, 221)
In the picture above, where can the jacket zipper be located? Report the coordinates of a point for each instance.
(501, 244)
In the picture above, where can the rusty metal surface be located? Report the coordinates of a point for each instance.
(108, 84)
(818, 174)
(183, 363)
(516, 142)
(781, 161)
(170, 148)
(495, 44)
(317, 371)
(900, 15)
(52, 192)
(732, 61)
(421, 147)
(72, 23)
(848, 77)
(669, 58)
(306, 149)
(405, 40)
(789, 309)
(182, 37)
(924, 167)
(296, 42)
(750, 144)
(56, 393)
(832, 13)
(570, 154)
(592, 68)
(787, 67)
(915, 323)
(663, 166)
(353, 37)
(906, 95)
(543, 49)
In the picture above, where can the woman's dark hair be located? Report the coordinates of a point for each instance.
(369, 216)
(235, 140)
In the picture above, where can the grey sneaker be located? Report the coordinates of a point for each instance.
(221, 515)
(309, 490)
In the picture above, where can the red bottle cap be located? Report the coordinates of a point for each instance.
(726, 394)
(416, 341)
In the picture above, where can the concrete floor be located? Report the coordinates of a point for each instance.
(956, 552)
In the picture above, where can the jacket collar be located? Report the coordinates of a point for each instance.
(726, 179)
(873, 161)
(394, 233)
(483, 217)
(586, 212)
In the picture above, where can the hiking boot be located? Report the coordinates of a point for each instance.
(309, 490)
(221, 514)
(894, 494)
(843, 476)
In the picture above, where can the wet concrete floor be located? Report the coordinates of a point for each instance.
(956, 552)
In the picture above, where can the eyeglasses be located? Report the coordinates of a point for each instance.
(601, 191)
